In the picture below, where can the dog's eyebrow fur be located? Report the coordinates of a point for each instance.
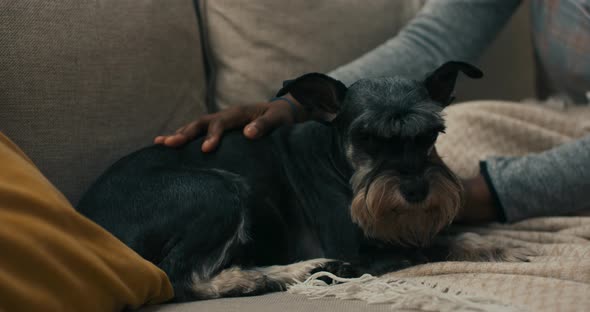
(422, 118)
(414, 93)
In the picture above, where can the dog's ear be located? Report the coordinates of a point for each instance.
(316, 92)
(441, 83)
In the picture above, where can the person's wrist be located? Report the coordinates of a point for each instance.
(479, 205)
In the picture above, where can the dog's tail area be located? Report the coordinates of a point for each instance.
(210, 225)
(213, 235)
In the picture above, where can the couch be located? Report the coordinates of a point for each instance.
(83, 83)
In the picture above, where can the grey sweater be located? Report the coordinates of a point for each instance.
(554, 182)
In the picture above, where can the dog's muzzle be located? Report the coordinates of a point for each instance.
(408, 213)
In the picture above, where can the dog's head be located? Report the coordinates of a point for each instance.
(403, 192)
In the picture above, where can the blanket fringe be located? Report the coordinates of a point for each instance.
(401, 294)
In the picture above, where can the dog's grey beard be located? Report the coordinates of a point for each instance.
(380, 209)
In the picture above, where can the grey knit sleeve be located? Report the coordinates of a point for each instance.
(553, 182)
(443, 30)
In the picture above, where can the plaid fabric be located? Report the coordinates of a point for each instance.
(561, 36)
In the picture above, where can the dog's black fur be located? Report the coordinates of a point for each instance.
(213, 222)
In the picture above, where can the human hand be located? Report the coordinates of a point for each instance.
(478, 206)
(258, 120)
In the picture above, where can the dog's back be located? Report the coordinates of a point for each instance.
(203, 217)
(161, 181)
(182, 209)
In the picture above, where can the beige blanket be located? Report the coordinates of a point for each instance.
(557, 278)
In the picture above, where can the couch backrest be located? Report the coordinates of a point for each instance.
(83, 82)
(508, 64)
(254, 45)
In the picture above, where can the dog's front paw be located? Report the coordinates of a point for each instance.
(338, 268)
(473, 247)
(512, 254)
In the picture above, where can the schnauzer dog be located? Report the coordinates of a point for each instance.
(363, 193)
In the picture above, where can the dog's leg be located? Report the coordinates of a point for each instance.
(469, 247)
(212, 238)
(475, 248)
(235, 281)
(206, 217)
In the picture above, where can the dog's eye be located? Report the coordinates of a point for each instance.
(372, 145)
(368, 143)
(426, 142)
(427, 139)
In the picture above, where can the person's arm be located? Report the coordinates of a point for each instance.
(554, 182)
(510, 189)
(443, 30)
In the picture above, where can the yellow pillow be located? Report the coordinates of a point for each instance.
(54, 259)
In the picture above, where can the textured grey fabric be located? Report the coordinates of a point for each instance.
(459, 29)
(83, 82)
(443, 30)
(544, 184)
(283, 302)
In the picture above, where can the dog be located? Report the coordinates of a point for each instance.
(363, 193)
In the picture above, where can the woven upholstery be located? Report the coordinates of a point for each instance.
(83, 83)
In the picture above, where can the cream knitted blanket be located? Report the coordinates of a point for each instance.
(557, 278)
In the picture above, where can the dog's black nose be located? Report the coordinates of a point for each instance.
(414, 191)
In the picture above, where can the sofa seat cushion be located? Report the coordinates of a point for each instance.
(283, 302)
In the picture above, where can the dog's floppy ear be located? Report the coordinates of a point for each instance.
(316, 92)
(441, 83)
